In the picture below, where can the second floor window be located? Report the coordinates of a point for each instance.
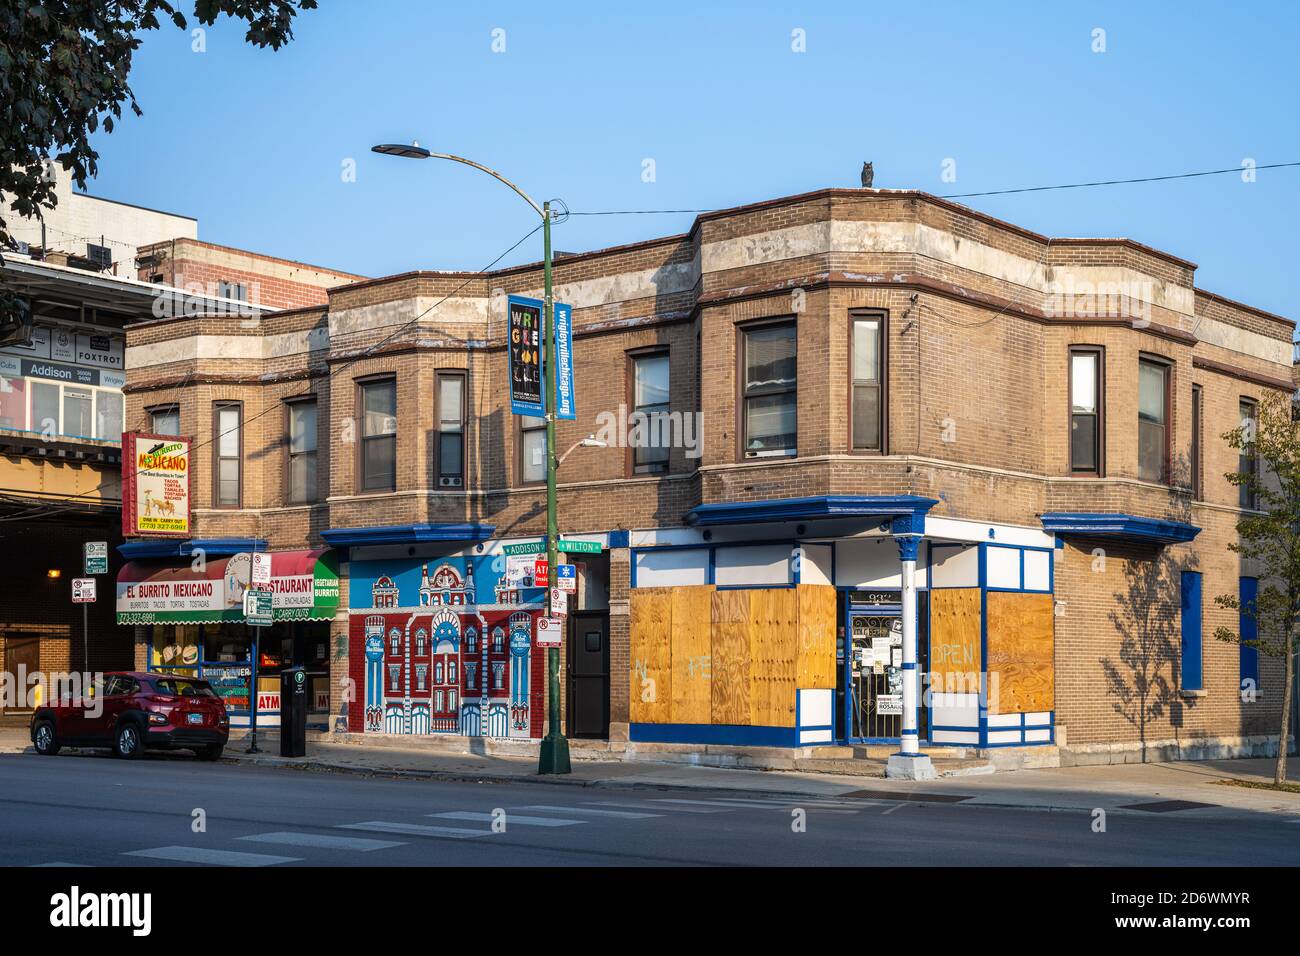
(302, 451)
(1153, 421)
(451, 430)
(1197, 491)
(650, 400)
(768, 390)
(1085, 411)
(868, 385)
(532, 448)
(227, 424)
(1247, 464)
(379, 436)
(165, 420)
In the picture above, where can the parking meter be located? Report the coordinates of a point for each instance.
(293, 712)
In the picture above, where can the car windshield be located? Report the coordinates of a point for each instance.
(184, 688)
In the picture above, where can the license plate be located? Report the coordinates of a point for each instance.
(194, 718)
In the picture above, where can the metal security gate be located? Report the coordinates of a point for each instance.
(870, 691)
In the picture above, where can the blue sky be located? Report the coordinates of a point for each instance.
(253, 142)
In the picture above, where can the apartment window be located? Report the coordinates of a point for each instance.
(498, 641)
(868, 383)
(165, 420)
(379, 436)
(1248, 630)
(451, 430)
(650, 405)
(226, 425)
(532, 448)
(1197, 490)
(1153, 420)
(302, 450)
(1191, 646)
(1085, 411)
(1247, 463)
(768, 390)
(451, 671)
(108, 415)
(232, 290)
(77, 414)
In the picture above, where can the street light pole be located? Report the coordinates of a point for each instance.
(554, 756)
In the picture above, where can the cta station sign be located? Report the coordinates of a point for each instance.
(156, 485)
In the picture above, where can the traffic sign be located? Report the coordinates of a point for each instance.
(559, 601)
(550, 632)
(83, 590)
(258, 608)
(564, 546)
(566, 576)
(95, 554)
(580, 547)
(261, 573)
(541, 573)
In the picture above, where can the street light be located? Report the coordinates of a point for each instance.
(554, 756)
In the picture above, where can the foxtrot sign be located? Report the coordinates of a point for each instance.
(156, 485)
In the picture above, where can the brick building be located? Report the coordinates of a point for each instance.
(829, 418)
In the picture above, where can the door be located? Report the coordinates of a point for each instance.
(21, 651)
(869, 695)
(588, 689)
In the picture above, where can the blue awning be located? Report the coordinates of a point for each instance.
(408, 534)
(911, 508)
(1134, 528)
(173, 548)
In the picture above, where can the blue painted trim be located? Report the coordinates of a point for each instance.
(908, 507)
(408, 534)
(1248, 630)
(725, 734)
(1191, 672)
(619, 538)
(1127, 527)
(212, 547)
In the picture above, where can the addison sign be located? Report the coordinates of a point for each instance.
(156, 485)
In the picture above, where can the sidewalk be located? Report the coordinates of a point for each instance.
(1120, 788)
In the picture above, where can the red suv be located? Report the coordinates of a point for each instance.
(132, 712)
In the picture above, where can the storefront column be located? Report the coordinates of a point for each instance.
(909, 763)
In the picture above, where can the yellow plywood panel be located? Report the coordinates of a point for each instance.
(955, 640)
(815, 660)
(692, 624)
(1020, 646)
(650, 673)
(729, 663)
(773, 647)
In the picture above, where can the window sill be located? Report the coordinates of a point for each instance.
(1191, 694)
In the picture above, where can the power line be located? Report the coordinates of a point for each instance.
(989, 192)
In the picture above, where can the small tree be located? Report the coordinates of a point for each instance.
(64, 66)
(1270, 538)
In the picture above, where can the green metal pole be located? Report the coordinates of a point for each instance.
(554, 756)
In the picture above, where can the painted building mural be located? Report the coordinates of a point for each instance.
(444, 646)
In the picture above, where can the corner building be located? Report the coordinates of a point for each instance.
(838, 382)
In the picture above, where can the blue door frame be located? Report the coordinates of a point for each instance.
(847, 608)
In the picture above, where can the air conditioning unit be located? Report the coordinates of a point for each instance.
(446, 481)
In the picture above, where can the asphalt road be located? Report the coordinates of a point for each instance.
(97, 811)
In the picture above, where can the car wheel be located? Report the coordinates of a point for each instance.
(44, 740)
(211, 752)
(127, 742)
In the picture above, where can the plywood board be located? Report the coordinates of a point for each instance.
(729, 660)
(1020, 647)
(815, 659)
(773, 644)
(650, 671)
(692, 623)
(955, 640)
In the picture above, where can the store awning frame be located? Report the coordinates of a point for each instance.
(409, 534)
(1135, 529)
(161, 549)
(909, 510)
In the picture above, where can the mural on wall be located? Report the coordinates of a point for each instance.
(444, 646)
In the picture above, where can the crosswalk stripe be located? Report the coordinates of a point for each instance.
(198, 854)
(510, 819)
(676, 809)
(321, 841)
(414, 829)
(622, 814)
